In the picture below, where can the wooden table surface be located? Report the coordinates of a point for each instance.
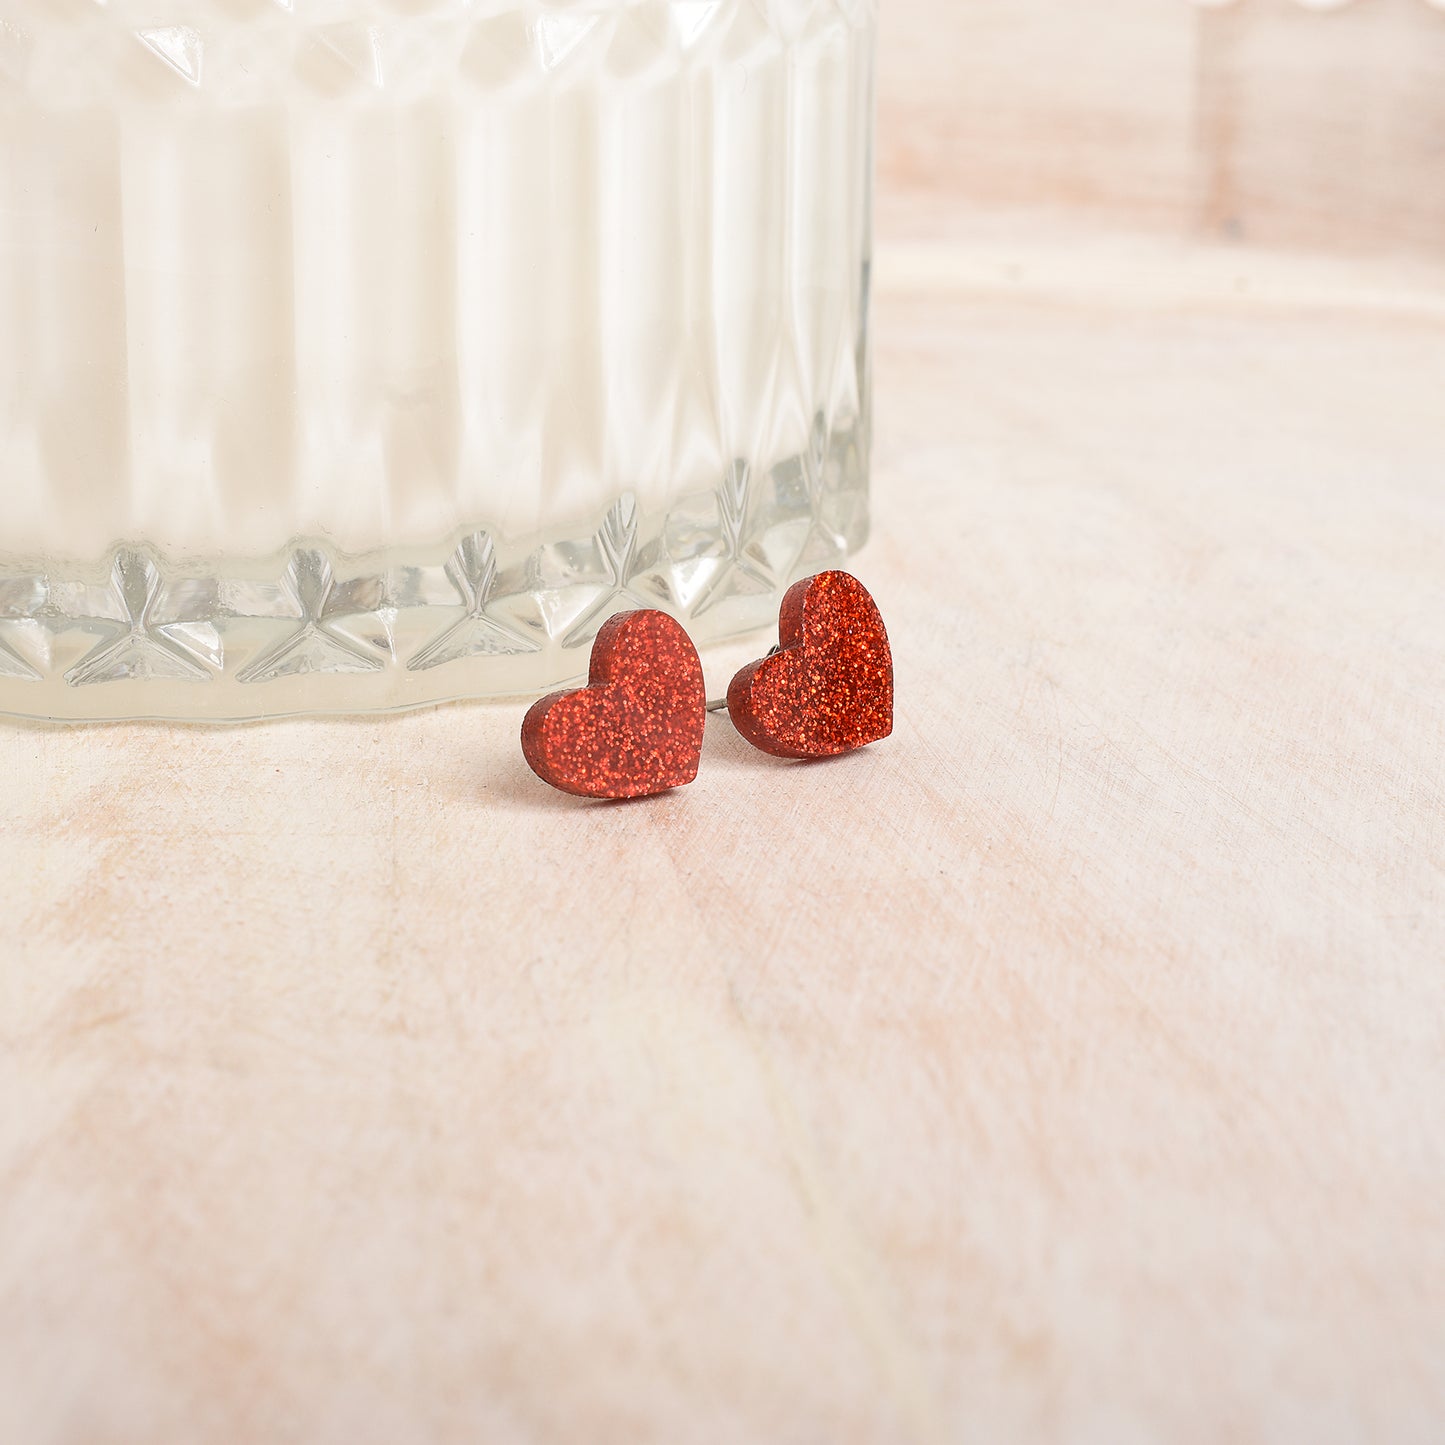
(1069, 1067)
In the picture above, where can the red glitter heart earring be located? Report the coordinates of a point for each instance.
(637, 727)
(827, 687)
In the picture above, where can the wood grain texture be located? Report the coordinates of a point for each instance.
(1265, 120)
(1067, 1068)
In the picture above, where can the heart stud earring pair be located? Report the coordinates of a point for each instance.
(637, 727)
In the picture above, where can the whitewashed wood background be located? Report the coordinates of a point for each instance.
(1264, 121)
(1068, 1069)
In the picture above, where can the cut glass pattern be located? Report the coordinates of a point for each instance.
(360, 354)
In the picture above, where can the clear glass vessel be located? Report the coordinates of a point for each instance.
(358, 354)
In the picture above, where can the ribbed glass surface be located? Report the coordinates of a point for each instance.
(361, 353)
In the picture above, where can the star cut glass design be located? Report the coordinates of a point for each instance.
(740, 573)
(320, 642)
(325, 632)
(143, 645)
(617, 548)
(473, 572)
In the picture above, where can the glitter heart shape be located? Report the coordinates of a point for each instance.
(636, 728)
(828, 688)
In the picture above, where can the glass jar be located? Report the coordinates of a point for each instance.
(360, 354)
